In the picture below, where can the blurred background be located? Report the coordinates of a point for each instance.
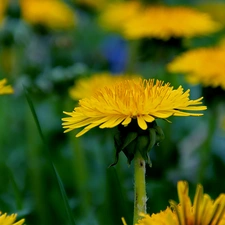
(46, 46)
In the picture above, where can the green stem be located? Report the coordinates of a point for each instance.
(81, 175)
(206, 146)
(139, 187)
(133, 55)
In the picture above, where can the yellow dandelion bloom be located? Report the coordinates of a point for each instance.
(164, 22)
(166, 217)
(115, 15)
(10, 220)
(137, 99)
(54, 14)
(204, 65)
(86, 86)
(203, 210)
(5, 89)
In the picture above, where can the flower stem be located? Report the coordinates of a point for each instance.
(139, 187)
(133, 55)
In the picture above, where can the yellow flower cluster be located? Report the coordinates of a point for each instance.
(163, 22)
(203, 65)
(5, 89)
(140, 100)
(10, 220)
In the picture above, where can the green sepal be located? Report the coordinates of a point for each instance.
(144, 145)
(159, 133)
(132, 138)
(124, 143)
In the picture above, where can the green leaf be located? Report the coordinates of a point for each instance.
(48, 156)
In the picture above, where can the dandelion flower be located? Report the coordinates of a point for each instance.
(203, 210)
(203, 65)
(54, 14)
(164, 22)
(10, 220)
(135, 99)
(115, 15)
(5, 89)
(86, 86)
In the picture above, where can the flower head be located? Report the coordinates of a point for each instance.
(10, 220)
(203, 210)
(136, 21)
(54, 14)
(5, 89)
(131, 100)
(204, 65)
(86, 86)
(164, 22)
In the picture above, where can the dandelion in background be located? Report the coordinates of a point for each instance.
(5, 89)
(10, 220)
(135, 21)
(203, 210)
(164, 22)
(204, 66)
(54, 14)
(86, 86)
(133, 107)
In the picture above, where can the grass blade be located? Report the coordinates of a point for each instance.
(59, 181)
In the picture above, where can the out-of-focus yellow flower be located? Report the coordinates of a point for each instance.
(129, 100)
(164, 22)
(135, 21)
(86, 86)
(204, 65)
(10, 220)
(5, 89)
(203, 210)
(54, 14)
(215, 9)
(115, 15)
(3, 6)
